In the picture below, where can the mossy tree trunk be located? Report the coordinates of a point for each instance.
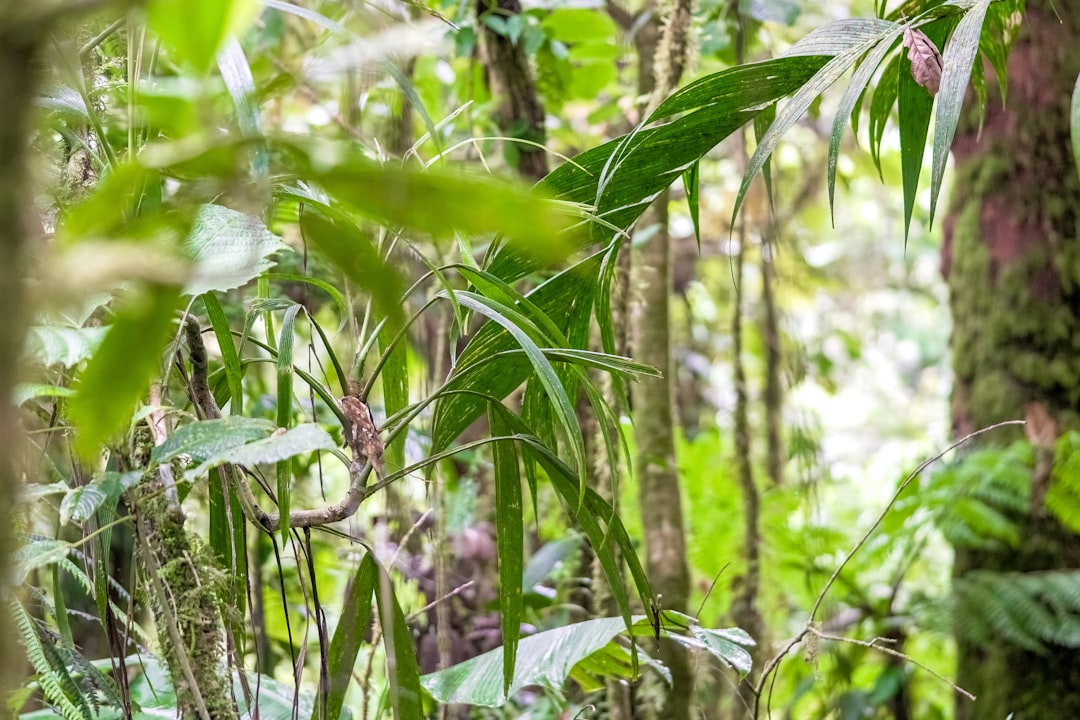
(1012, 260)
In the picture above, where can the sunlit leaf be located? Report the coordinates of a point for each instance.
(195, 31)
(229, 249)
(851, 40)
(854, 91)
(52, 345)
(545, 659)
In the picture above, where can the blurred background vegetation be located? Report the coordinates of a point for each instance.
(279, 216)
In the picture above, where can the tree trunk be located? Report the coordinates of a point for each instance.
(520, 112)
(662, 57)
(18, 88)
(1012, 260)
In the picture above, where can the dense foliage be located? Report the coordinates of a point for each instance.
(324, 409)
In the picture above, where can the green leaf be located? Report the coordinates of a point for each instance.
(523, 332)
(234, 372)
(352, 250)
(53, 345)
(286, 342)
(690, 182)
(881, 107)
(729, 645)
(119, 372)
(349, 635)
(437, 202)
(395, 389)
(278, 447)
(235, 71)
(28, 391)
(556, 299)
(958, 58)
(854, 91)
(229, 249)
(851, 40)
(82, 502)
(37, 552)
(620, 178)
(208, 438)
(509, 536)
(405, 692)
(545, 659)
(195, 31)
(914, 106)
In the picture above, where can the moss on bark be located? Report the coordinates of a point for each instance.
(1012, 260)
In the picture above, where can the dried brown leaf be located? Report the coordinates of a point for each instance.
(926, 63)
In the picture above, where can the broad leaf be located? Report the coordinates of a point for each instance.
(276, 448)
(81, 503)
(195, 31)
(545, 659)
(120, 371)
(52, 345)
(229, 249)
(208, 438)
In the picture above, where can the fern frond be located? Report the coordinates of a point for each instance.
(1030, 610)
(50, 680)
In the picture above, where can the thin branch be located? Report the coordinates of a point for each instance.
(895, 653)
(203, 398)
(772, 665)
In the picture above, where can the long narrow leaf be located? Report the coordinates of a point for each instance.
(515, 323)
(286, 343)
(401, 669)
(349, 635)
(853, 48)
(234, 373)
(510, 548)
(959, 56)
(854, 91)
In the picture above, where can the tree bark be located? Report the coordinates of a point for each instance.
(19, 45)
(1012, 260)
(659, 492)
(520, 112)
